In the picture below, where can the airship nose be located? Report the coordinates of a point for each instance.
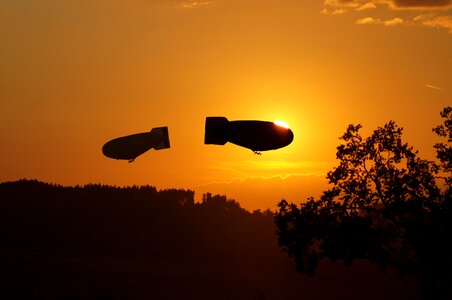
(289, 136)
(106, 149)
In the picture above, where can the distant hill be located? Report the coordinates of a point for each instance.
(94, 219)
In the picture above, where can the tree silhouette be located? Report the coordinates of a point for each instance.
(386, 205)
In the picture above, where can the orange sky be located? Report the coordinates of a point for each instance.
(74, 74)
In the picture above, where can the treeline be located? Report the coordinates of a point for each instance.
(137, 221)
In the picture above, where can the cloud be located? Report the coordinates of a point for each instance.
(368, 5)
(265, 192)
(434, 13)
(337, 11)
(420, 3)
(395, 4)
(371, 20)
(193, 4)
(368, 20)
(342, 3)
(393, 22)
(438, 22)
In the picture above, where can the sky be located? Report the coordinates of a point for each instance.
(77, 73)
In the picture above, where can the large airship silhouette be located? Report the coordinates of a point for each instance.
(131, 146)
(255, 135)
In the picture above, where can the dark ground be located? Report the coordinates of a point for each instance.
(51, 276)
(103, 242)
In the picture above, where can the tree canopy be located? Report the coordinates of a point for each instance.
(386, 205)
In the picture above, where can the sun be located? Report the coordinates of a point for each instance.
(281, 123)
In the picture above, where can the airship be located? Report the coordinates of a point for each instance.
(131, 146)
(255, 135)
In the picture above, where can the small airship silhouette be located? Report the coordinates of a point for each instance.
(255, 135)
(131, 146)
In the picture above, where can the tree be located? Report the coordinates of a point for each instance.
(386, 205)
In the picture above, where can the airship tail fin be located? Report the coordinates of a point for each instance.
(215, 132)
(161, 137)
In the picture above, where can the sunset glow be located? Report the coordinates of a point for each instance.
(282, 124)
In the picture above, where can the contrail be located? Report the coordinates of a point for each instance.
(434, 87)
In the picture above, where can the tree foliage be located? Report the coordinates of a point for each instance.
(386, 205)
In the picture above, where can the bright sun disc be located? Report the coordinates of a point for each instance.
(281, 123)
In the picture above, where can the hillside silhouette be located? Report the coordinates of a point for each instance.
(131, 221)
(105, 242)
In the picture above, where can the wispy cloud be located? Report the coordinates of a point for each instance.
(419, 4)
(343, 3)
(368, 20)
(395, 4)
(337, 11)
(393, 22)
(371, 20)
(368, 5)
(434, 87)
(438, 22)
(242, 169)
(193, 4)
(266, 191)
(430, 13)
